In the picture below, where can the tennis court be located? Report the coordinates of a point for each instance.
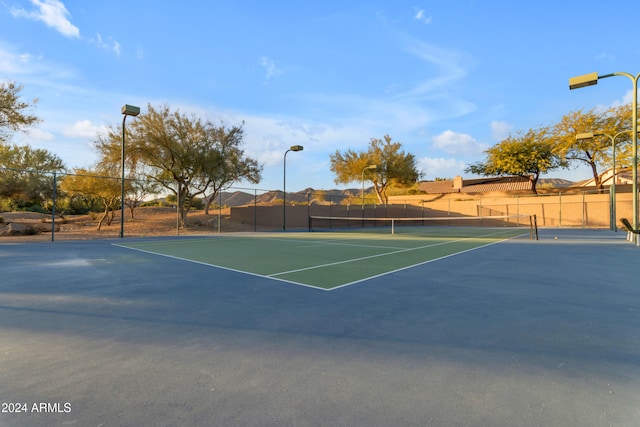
(330, 260)
(496, 330)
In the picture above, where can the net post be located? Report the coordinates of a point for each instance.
(533, 227)
(393, 230)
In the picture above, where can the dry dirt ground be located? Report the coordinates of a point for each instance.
(147, 221)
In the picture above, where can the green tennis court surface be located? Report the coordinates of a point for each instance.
(326, 260)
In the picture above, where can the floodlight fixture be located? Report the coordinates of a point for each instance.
(130, 110)
(586, 135)
(583, 81)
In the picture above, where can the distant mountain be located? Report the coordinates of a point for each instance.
(241, 198)
(236, 198)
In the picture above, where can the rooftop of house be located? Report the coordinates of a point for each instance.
(479, 185)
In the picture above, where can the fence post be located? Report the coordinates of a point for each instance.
(219, 212)
(308, 204)
(53, 209)
(612, 207)
(560, 209)
(583, 210)
(330, 211)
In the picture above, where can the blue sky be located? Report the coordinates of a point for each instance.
(446, 79)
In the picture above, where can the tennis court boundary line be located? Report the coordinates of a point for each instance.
(344, 285)
(220, 267)
(418, 264)
(395, 251)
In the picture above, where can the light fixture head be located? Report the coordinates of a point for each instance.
(586, 135)
(583, 81)
(130, 110)
(296, 148)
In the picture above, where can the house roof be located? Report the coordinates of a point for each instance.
(623, 176)
(437, 187)
(480, 185)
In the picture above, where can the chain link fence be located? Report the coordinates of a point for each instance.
(38, 205)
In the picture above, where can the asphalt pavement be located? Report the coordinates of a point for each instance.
(521, 333)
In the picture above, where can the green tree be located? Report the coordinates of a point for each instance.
(27, 176)
(394, 167)
(14, 114)
(529, 154)
(137, 189)
(224, 163)
(95, 185)
(595, 152)
(186, 155)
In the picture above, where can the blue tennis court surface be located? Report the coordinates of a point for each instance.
(325, 260)
(518, 333)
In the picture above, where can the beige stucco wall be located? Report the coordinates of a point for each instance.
(588, 209)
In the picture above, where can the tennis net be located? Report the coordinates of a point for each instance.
(431, 226)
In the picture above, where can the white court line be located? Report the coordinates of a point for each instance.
(346, 261)
(313, 243)
(338, 243)
(272, 276)
(415, 265)
(220, 266)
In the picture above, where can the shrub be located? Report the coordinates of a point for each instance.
(6, 205)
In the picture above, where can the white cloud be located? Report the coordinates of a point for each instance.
(116, 48)
(12, 63)
(627, 99)
(452, 67)
(420, 16)
(268, 138)
(110, 44)
(605, 56)
(449, 68)
(37, 134)
(270, 67)
(30, 69)
(500, 130)
(457, 143)
(441, 167)
(53, 13)
(83, 129)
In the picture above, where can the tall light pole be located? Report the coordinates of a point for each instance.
(367, 168)
(592, 79)
(178, 205)
(589, 135)
(284, 185)
(127, 110)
